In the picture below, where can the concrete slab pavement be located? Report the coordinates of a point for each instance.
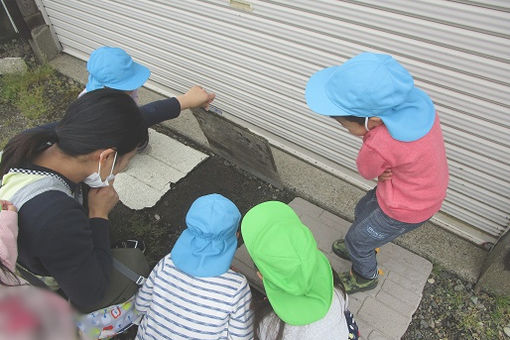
(151, 173)
(382, 313)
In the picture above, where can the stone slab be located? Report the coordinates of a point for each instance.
(239, 145)
(12, 65)
(151, 173)
(384, 319)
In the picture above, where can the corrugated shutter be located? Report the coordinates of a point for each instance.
(258, 62)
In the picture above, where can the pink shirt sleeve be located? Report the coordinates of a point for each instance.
(8, 238)
(370, 163)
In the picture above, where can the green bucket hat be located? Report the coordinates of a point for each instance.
(297, 276)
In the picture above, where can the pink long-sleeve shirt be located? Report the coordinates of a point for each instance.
(8, 236)
(419, 172)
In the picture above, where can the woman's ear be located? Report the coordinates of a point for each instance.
(374, 122)
(106, 154)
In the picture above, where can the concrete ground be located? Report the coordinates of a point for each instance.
(325, 190)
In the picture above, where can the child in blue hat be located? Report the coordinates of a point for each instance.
(112, 67)
(374, 97)
(192, 293)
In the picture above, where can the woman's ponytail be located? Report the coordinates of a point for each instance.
(24, 147)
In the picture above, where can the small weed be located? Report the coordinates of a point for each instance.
(501, 313)
(26, 91)
(437, 269)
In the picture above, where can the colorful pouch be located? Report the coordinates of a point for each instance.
(109, 321)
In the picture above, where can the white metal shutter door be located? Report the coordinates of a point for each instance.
(258, 63)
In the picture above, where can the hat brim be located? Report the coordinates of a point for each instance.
(210, 261)
(315, 94)
(412, 119)
(304, 309)
(140, 74)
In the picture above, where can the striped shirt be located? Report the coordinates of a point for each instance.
(176, 305)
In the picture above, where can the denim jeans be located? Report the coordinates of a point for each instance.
(371, 228)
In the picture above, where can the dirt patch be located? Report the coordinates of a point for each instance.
(161, 225)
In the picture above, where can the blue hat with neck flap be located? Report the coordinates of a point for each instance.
(206, 248)
(370, 85)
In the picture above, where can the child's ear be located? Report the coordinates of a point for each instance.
(260, 275)
(374, 122)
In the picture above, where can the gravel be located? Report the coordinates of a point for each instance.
(452, 309)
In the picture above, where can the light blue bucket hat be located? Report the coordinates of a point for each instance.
(112, 67)
(207, 246)
(369, 85)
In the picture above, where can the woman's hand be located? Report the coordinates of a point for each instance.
(6, 205)
(385, 176)
(101, 201)
(195, 97)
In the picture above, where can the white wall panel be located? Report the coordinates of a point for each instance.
(258, 63)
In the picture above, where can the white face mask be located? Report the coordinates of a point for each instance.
(94, 180)
(366, 124)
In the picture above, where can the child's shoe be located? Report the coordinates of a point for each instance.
(340, 249)
(354, 283)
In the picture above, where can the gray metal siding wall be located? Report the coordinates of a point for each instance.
(258, 63)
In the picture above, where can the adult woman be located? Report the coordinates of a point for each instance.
(59, 238)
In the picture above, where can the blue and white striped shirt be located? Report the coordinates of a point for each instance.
(180, 306)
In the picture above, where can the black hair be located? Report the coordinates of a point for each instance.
(99, 119)
(262, 308)
(354, 119)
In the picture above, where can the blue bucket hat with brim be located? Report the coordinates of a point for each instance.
(206, 247)
(370, 85)
(112, 67)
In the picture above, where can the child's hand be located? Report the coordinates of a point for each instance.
(195, 97)
(6, 205)
(385, 176)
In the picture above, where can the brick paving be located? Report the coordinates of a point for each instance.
(382, 313)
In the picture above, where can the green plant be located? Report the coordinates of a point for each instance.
(26, 91)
